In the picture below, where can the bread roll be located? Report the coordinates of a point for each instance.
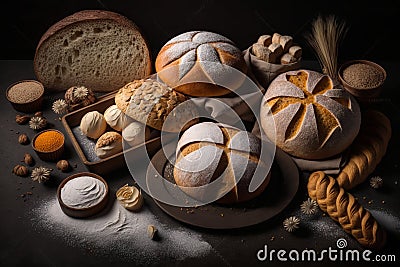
(286, 42)
(287, 59)
(135, 133)
(207, 151)
(261, 52)
(150, 102)
(265, 40)
(93, 124)
(108, 144)
(116, 118)
(193, 63)
(313, 118)
(101, 50)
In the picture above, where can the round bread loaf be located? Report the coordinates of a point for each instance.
(110, 143)
(193, 62)
(151, 102)
(208, 152)
(314, 118)
(99, 49)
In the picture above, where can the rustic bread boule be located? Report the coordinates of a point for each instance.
(208, 151)
(313, 118)
(192, 62)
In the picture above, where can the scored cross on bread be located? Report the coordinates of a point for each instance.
(194, 63)
(314, 118)
(219, 161)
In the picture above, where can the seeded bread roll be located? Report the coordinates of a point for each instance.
(108, 144)
(207, 151)
(98, 49)
(193, 62)
(313, 118)
(150, 102)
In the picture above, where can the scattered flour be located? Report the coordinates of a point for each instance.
(390, 222)
(120, 232)
(324, 227)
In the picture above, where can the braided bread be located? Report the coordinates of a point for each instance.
(367, 150)
(344, 209)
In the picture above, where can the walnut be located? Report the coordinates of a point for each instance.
(28, 159)
(22, 119)
(23, 139)
(20, 170)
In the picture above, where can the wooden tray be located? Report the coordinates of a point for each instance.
(277, 196)
(114, 162)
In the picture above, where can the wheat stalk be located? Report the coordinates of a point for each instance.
(324, 38)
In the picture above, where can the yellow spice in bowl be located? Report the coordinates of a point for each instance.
(49, 141)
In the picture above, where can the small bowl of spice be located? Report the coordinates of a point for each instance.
(83, 194)
(26, 96)
(49, 144)
(362, 78)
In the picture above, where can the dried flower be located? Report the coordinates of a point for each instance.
(23, 139)
(63, 165)
(152, 232)
(376, 182)
(28, 159)
(60, 106)
(22, 119)
(41, 174)
(37, 123)
(20, 170)
(80, 92)
(309, 206)
(291, 224)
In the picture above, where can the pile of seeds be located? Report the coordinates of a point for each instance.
(25, 92)
(362, 75)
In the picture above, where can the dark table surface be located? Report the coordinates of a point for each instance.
(21, 243)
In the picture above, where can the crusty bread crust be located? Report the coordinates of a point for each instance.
(150, 102)
(80, 18)
(193, 62)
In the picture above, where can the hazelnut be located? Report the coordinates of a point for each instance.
(23, 139)
(20, 170)
(28, 159)
(152, 232)
(22, 119)
(63, 165)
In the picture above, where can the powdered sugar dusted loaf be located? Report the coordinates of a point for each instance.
(194, 63)
(314, 118)
(218, 161)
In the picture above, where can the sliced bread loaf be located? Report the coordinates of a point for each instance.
(98, 49)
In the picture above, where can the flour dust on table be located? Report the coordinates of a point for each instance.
(122, 233)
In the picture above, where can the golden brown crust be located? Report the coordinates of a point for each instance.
(196, 76)
(150, 102)
(344, 209)
(367, 150)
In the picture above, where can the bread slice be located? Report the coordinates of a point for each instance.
(98, 49)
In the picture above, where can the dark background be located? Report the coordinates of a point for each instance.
(373, 26)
